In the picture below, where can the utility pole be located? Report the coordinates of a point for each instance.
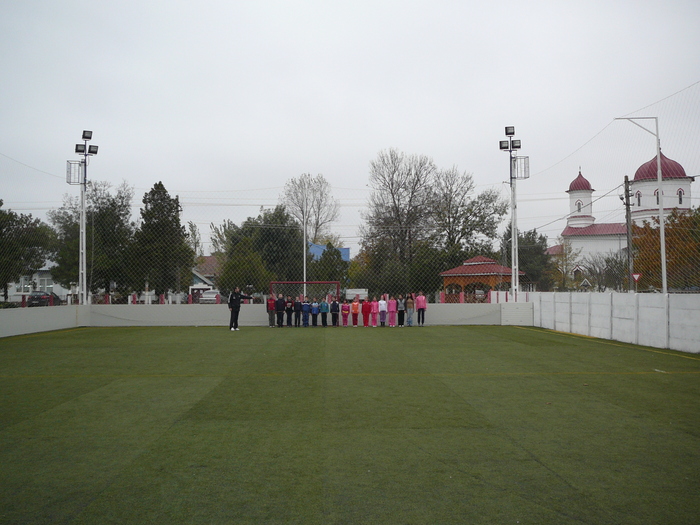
(628, 220)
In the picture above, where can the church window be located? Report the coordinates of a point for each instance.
(680, 197)
(578, 206)
(639, 198)
(657, 197)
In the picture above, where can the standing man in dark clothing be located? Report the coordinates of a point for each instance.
(297, 312)
(335, 310)
(234, 304)
(280, 305)
(289, 309)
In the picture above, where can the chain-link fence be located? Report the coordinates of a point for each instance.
(157, 257)
(413, 227)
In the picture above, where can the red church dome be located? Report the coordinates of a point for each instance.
(670, 169)
(580, 183)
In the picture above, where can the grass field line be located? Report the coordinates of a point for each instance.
(608, 342)
(340, 374)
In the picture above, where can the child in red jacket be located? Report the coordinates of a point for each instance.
(366, 311)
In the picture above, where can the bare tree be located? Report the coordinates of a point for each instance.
(400, 203)
(460, 215)
(310, 201)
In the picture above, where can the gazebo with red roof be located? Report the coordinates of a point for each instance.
(476, 273)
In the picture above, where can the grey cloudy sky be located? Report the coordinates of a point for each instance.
(226, 100)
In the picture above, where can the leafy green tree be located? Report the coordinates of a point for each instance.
(245, 268)
(111, 234)
(682, 232)
(25, 245)
(66, 223)
(279, 240)
(329, 267)
(108, 235)
(224, 238)
(532, 256)
(162, 253)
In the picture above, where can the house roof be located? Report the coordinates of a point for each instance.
(208, 265)
(479, 265)
(557, 249)
(596, 229)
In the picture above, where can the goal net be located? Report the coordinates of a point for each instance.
(317, 289)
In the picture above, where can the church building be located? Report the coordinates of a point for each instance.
(590, 237)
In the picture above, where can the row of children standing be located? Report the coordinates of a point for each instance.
(394, 311)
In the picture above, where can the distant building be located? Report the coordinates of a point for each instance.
(590, 238)
(316, 250)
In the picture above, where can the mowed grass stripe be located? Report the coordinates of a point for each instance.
(420, 425)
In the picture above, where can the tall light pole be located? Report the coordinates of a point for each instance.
(660, 193)
(79, 176)
(519, 169)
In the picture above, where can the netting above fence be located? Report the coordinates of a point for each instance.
(414, 227)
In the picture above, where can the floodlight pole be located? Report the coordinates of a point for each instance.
(82, 271)
(511, 145)
(660, 193)
(86, 151)
(305, 189)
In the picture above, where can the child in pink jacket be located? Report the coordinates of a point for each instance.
(345, 312)
(391, 308)
(421, 307)
(375, 311)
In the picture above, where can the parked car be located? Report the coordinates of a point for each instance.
(43, 299)
(209, 297)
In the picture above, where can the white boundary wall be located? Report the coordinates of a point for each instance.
(662, 321)
(18, 321)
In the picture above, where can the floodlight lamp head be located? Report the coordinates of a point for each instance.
(92, 150)
(516, 144)
(510, 131)
(80, 149)
(504, 144)
(87, 135)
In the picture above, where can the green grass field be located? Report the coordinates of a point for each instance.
(416, 425)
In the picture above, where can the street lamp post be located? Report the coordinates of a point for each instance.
(519, 169)
(77, 174)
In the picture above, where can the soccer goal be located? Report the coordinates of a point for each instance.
(310, 289)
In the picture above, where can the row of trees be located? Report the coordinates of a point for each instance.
(121, 255)
(420, 220)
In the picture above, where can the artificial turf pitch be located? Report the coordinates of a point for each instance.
(414, 425)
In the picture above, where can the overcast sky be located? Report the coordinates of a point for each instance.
(224, 101)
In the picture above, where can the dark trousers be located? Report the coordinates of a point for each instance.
(334, 318)
(297, 318)
(401, 314)
(421, 316)
(280, 319)
(324, 318)
(289, 317)
(234, 319)
(314, 319)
